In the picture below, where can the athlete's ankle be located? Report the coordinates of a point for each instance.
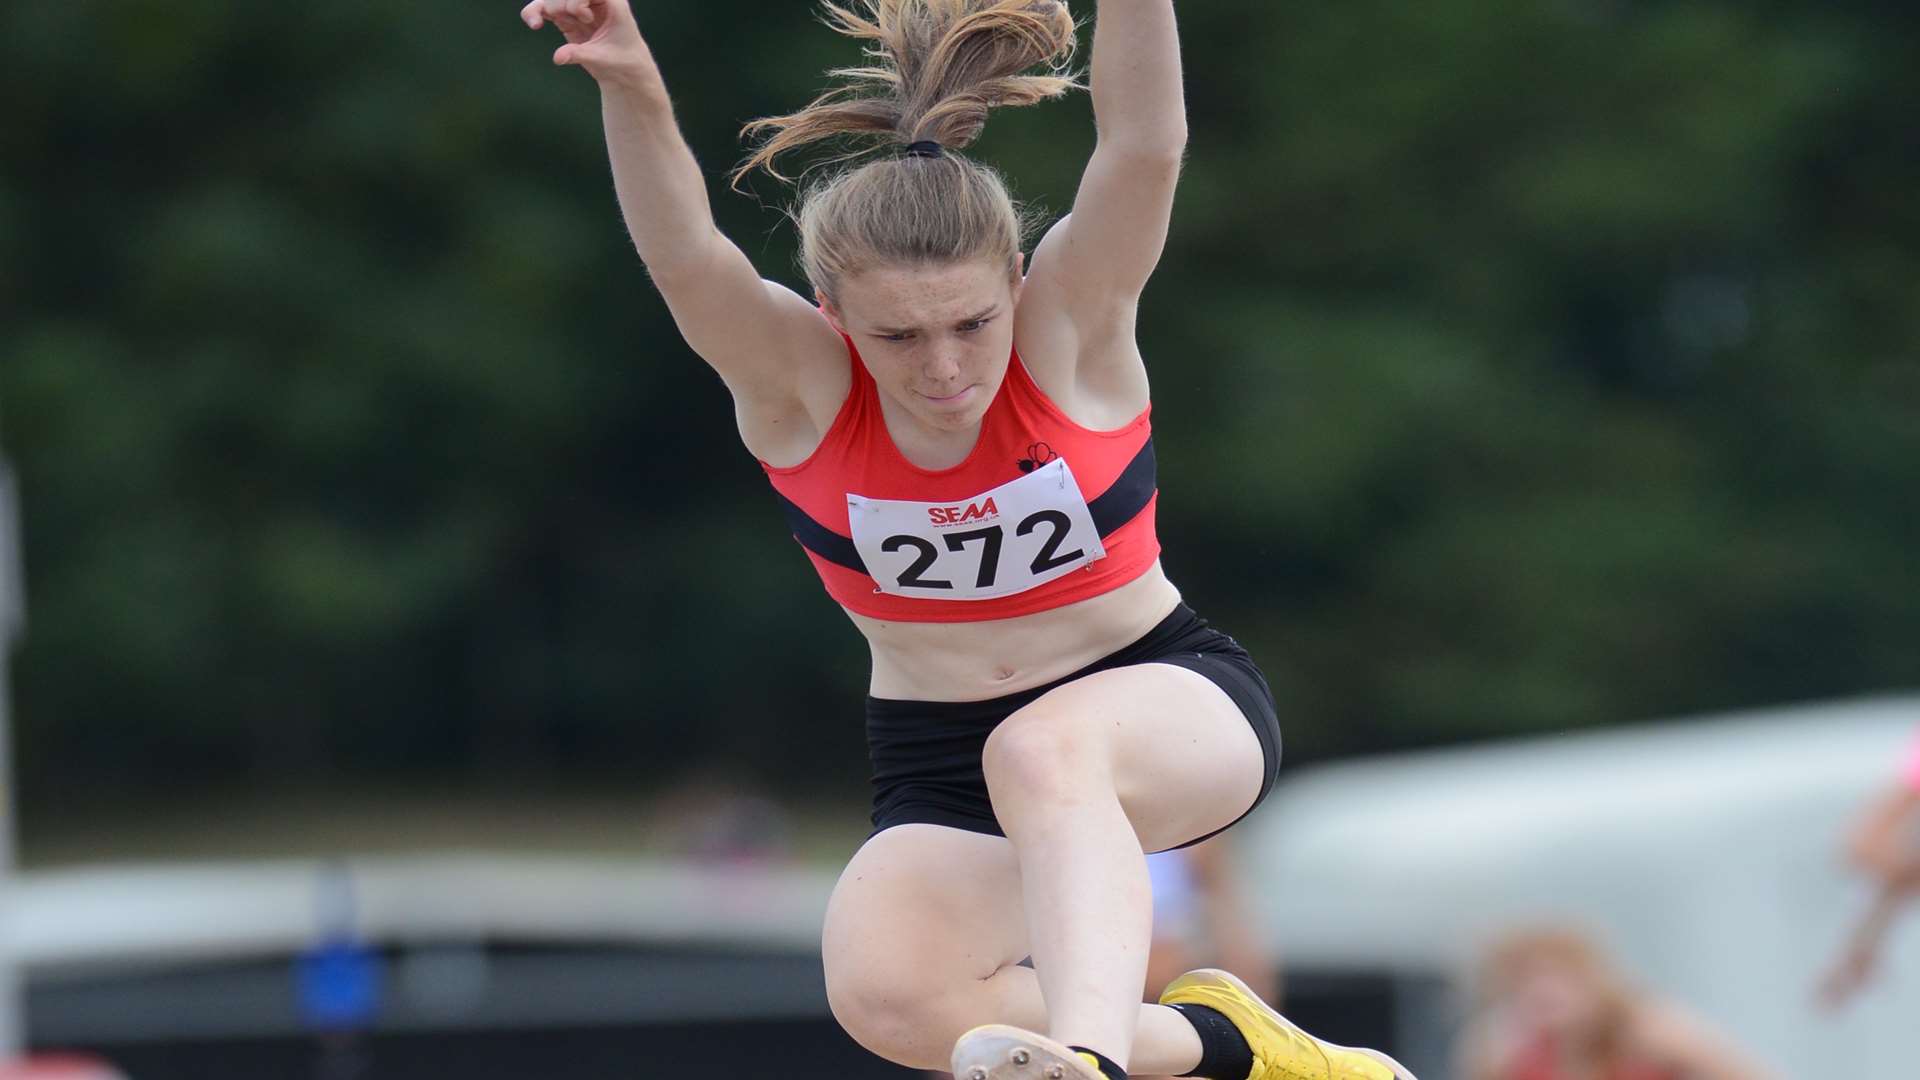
(1100, 1061)
(1224, 1053)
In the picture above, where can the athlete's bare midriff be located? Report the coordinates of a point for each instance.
(973, 661)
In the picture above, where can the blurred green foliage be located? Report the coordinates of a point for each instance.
(1518, 366)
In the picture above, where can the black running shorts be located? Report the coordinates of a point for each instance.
(926, 754)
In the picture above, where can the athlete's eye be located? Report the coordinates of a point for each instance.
(896, 337)
(972, 325)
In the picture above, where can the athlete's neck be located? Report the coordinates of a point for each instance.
(925, 445)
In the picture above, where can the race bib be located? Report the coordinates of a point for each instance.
(1020, 535)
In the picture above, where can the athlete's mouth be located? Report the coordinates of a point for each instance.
(950, 398)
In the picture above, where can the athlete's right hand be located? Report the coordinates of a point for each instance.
(1853, 972)
(601, 36)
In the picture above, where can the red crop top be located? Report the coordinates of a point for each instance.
(1041, 514)
(1541, 1061)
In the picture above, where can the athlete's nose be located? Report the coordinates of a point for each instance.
(943, 363)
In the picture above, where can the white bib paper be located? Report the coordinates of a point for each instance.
(1020, 535)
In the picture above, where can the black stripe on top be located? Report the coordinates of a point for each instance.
(819, 539)
(1128, 494)
(1120, 503)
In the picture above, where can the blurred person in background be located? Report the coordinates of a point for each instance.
(711, 817)
(1043, 707)
(1882, 848)
(60, 1067)
(1551, 1007)
(1203, 916)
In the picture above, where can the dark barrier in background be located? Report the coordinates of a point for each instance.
(785, 1050)
(243, 1022)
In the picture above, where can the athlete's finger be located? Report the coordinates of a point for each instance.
(534, 14)
(572, 54)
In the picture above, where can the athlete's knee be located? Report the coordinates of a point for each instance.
(1041, 755)
(893, 1012)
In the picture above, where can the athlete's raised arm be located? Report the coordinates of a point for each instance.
(760, 336)
(1093, 264)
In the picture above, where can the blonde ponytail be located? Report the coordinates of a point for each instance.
(937, 68)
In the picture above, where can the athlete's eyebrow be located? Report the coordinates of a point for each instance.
(894, 330)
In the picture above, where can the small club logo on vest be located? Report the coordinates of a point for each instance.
(984, 510)
(1037, 455)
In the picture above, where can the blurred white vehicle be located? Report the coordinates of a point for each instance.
(1704, 853)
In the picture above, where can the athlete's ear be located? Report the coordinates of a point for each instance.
(1019, 274)
(832, 313)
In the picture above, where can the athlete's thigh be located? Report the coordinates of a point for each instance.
(924, 905)
(1185, 760)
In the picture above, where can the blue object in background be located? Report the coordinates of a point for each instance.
(338, 984)
(337, 979)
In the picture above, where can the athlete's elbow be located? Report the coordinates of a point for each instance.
(1157, 148)
(680, 263)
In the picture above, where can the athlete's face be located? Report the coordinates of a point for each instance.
(1556, 997)
(936, 338)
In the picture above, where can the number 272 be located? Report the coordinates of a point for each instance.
(990, 538)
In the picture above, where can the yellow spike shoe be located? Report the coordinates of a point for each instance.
(1281, 1051)
(999, 1052)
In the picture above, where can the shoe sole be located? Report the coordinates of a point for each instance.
(999, 1052)
(1400, 1072)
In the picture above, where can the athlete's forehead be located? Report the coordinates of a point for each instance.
(895, 298)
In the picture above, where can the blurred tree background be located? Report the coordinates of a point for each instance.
(1518, 366)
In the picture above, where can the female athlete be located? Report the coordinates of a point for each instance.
(961, 443)
(1552, 1007)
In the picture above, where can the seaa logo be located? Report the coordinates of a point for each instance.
(983, 510)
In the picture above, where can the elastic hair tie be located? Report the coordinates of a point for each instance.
(926, 148)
